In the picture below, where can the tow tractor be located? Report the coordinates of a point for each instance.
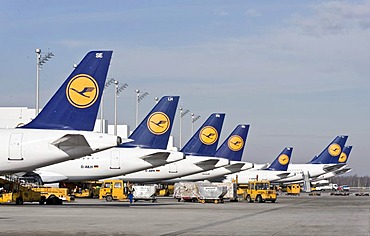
(259, 191)
(14, 192)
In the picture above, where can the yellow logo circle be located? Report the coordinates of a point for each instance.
(342, 157)
(334, 149)
(158, 123)
(283, 159)
(208, 135)
(82, 91)
(235, 143)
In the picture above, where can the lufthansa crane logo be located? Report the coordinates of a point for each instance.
(235, 143)
(283, 159)
(158, 123)
(334, 149)
(342, 157)
(208, 135)
(82, 91)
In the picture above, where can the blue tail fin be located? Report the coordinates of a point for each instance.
(204, 141)
(232, 148)
(343, 156)
(154, 131)
(282, 161)
(333, 150)
(75, 105)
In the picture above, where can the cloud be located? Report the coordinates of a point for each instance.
(252, 12)
(221, 13)
(335, 17)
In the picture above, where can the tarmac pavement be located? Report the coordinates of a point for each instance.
(290, 215)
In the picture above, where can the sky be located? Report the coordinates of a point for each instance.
(296, 71)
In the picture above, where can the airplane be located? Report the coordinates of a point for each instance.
(62, 130)
(342, 159)
(276, 170)
(199, 150)
(147, 150)
(318, 165)
(232, 149)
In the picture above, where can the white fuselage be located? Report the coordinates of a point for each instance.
(23, 150)
(244, 177)
(216, 173)
(297, 171)
(164, 174)
(113, 162)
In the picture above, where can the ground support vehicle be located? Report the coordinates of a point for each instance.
(144, 192)
(113, 190)
(87, 189)
(231, 193)
(340, 193)
(14, 192)
(260, 191)
(54, 196)
(199, 192)
(293, 190)
(119, 191)
(164, 190)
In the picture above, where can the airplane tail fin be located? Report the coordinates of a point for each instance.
(232, 148)
(333, 150)
(343, 156)
(154, 131)
(204, 141)
(282, 161)
(75, 105)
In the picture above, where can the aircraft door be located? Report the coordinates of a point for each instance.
(15, 147)
(115, 160)
(172, 168)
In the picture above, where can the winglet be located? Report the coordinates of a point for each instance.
(333, 150)
(75, 105)
(204, 141)
(154, 131)
(282, 161)
(232, 148)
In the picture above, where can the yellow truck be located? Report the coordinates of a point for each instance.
(293, 189)
(113, 190)
(14, 192)
(54, 196)
(259, 191)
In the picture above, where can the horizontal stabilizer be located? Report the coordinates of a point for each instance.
(331, 168)
(71, 143)
(235, 167)
(283, 175)
(158, 158)
(207, 164)
(343, 170)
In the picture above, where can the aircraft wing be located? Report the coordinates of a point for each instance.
(157, 158)
(331, 168)
(207, 164)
